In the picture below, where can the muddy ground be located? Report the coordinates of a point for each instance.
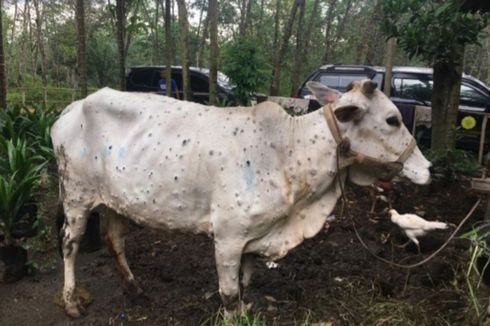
(328, 280)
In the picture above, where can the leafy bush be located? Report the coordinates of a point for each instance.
(40, 132)
(245, 64)
(449, 163)
(477, 268)
(25, 149)
(19, 177)
(32, 125)
(13, 123)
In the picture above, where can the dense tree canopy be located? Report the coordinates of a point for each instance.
(322, 31)
(437, 32)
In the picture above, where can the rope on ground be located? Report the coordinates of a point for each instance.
(423, 261)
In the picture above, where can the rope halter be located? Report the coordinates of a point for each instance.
(384, 170)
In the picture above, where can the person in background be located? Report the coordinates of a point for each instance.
(162, 83)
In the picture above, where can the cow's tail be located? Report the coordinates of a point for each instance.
(60, 220)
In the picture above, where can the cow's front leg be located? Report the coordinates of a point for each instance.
(72, 232)
(228, 258)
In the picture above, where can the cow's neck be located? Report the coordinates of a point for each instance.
(312, 166)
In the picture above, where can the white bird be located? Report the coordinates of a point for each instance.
(414, 226)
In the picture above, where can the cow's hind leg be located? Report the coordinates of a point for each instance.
(71, 233)
(248, 266)
(115, 228)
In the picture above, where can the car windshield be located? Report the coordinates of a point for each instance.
(223, 80)
(340, 82)
(417, 89)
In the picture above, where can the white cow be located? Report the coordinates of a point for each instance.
(256, 179)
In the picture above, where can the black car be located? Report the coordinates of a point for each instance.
(411, 88)
(146, 79)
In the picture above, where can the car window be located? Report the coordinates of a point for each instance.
(339, 82)
(411, 88)
(330, 81)
(199, 84)
(143, 78)
(469, 95)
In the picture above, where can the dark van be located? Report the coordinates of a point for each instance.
(146, 79)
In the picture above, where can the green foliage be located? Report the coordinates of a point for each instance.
(19, 176)
(32, 125)
(13, 124)
(243, 319)
(40, 133)
(245, 64)
(25, 150)
(101, 66)
(432, 30)
(450, 163)
(478, 248)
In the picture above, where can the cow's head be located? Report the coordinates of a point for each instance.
(374, 127)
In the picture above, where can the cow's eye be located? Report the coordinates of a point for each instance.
(393, 121)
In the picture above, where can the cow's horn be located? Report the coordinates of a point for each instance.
(368, 87)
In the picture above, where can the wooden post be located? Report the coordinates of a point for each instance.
(483, 133)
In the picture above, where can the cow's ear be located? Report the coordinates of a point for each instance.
(348, 112)
(323, 94)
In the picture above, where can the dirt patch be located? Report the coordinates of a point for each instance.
(330, 278)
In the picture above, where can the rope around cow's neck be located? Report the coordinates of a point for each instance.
(391, 263)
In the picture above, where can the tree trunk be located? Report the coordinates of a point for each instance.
(245, 17)
(168, 47)
(40, 43)
(276, 24)
(120, 26)
(30, 41)
(298, 56)
(328, 31)
(258, 29)
(213, 14)
(3, 79)
(199, 24)
(156, 38)
(128, 34)
(81, 48)
(340, 29)
(390, 46)
(12, 49)
(22, 50)
(276, 72)
(445, 102)
(242, 4)
(311, 22)
(40, 46)
(184, 43)
(303, 50)
(202, 42)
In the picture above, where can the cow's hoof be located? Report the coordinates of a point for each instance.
(73, 311)
(241, 309)
(133, 289)
(76, 305)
